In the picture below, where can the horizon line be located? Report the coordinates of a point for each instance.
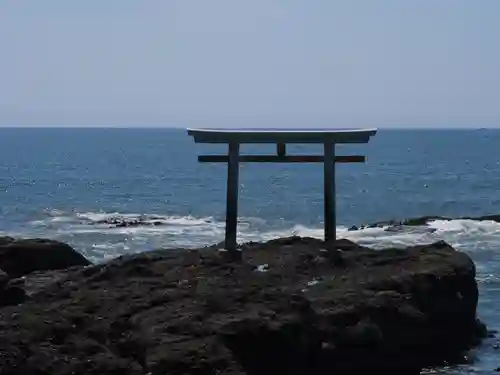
(170, 127)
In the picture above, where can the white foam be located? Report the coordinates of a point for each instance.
(100, 216)
(38, 223)
(312, 282)
(102, 246)
(463, 234)
(188, 220)
(262, 268)
(82, 229)
(53, 212)
(454, 230)
(467, 227)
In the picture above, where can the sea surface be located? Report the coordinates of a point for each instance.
(60, 183)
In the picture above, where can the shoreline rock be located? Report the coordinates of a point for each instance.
(396, 225)
(291, 306)
(121, 221)
(21, 257)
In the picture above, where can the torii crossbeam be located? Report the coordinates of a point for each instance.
(235, 137)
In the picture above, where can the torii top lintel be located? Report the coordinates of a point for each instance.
(281, 135)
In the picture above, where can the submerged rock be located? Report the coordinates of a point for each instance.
(127, 221)
(315, 310)
(424, 220)
(19, 257)
(427, 219)
(409, 229)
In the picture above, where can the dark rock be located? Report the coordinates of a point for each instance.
(486, 217)
(6, 240)
(381, 224)
(394, 228)
(424, 220)
(220, 245)
(347, 245)
(4, 278)
(176, 312)
(37, 281)
(354, 227)
(482, 330)
(127, 221)
(12, 295)
(409, 229)
(22, 256)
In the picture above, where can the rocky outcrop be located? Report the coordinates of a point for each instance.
(4, 278)
(291, 306)
(409, 229)
(19, 257)
(405, 225)
(22, 257)
(425, 219)
(123, 221)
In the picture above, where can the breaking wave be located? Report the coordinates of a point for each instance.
(103, 235)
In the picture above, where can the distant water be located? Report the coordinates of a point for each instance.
(58, 183)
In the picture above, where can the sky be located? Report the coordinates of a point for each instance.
(250, 63)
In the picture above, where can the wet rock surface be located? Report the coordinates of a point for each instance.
(120, 221)
(291, 306)
(409, 229)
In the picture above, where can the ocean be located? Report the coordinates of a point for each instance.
(61, 183)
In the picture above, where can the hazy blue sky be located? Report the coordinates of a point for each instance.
(250, 63)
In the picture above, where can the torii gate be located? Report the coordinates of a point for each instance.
(235, 137)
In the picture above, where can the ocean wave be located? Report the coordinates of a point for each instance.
(101, 235)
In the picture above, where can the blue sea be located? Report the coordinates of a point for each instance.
(59, 183)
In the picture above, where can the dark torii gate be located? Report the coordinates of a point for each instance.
(235, 137)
